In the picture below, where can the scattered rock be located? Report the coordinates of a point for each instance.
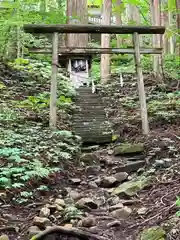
(127, 148)
(68, 225)
(75, 180)
(142, 211)
(89, 158)
(44, 212)
(3, 196)
(159, 163)
(90, 148)
(123, 213)
(153, 233)
(59, 208)
(87, 222)
(130, 167)
(117, 206)
(93, 170)
(130, 188)
(92, 184)
(41, 222)
(60, 202)
(51, 207)
(87, 202)
(33, 230)
(4, 237)
(113, 200)
(121, 176)
(74, 194)
(108, 181)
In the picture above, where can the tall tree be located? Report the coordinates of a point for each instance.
(105, 40)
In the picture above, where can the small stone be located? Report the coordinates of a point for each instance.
(33, 230)
(73, 194)
(59, 208)
(108, 182)
(41, 222)
(124, 213)
(87, 202)
(3, 195)
(92, 184)
(93, 169)
(131, 167)
(75, 180)
(60, 202)
(68, 225)
(4, 237)
(89, 158)
(159, 163)
(142, 210)
(113, 200)
(115, 207)
(121, 176)
(52, 207)
(44, 212)
(88, 222)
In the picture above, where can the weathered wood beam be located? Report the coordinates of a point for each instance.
(82, 28)
(53, 96)
(95, 51)
(142, 95)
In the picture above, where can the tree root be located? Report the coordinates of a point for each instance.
(73, 232)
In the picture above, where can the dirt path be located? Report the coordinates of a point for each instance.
(100, 212)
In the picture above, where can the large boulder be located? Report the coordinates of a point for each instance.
(127, 148)
(130, 188)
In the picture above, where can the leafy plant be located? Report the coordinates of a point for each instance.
(178, 205)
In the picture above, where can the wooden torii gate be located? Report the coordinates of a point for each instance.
(100, 29)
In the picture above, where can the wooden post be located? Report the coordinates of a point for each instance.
(53, 97)
(142, 96)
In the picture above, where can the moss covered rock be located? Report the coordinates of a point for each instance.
(127, 148)
(131, 188)
(153, 233)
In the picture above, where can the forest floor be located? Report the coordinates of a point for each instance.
(106, 193)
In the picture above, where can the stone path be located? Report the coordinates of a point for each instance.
(89, 120)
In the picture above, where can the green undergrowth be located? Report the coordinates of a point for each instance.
(29, 151)
(124, 63)
(161, 105)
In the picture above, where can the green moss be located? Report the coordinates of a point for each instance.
(128, 148)
(153, 233)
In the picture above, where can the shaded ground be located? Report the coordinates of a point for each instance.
(161, 155)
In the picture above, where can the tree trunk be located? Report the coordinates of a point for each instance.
(105, 41)
(178, 23)
(77, 13)
(118, 22)
(155, 18)
(171, 40)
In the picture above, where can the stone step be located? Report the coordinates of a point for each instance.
(91, 131)
(85, 94)
(89, 100)
(89, 120)
(88, 112)
(97, 139)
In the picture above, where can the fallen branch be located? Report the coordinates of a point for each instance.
(9, 228)
(74, 232)
(164, 210)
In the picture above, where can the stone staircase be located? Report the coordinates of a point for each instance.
(89, 118)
